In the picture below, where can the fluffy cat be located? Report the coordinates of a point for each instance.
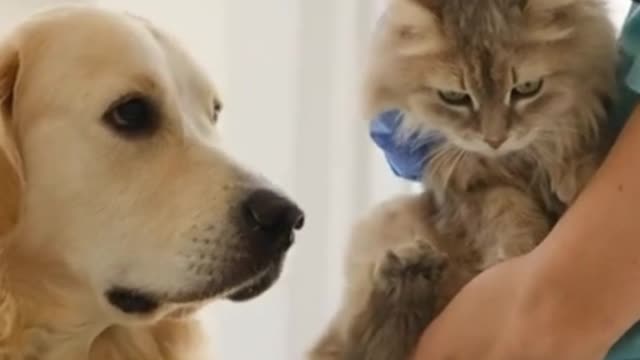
(517, 92)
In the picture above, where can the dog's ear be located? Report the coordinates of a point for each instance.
(11, 173)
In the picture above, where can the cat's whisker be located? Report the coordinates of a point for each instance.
(453, 165)
(437, 155)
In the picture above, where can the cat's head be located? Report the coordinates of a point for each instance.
(493, 76)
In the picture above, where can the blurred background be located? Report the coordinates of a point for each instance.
(288, 73)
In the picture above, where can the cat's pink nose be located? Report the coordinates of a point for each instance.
(495, 142)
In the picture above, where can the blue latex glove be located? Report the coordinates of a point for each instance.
(408, 159)
(406, 155)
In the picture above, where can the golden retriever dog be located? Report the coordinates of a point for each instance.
(120, 216)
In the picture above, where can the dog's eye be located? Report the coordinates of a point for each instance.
(132, 116)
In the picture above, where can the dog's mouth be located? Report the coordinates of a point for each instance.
(258, 285)
(131, 301)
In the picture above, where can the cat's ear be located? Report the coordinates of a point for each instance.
(411, 26)
(11, 173)
(550, 20)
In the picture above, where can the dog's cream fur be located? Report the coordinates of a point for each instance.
(82, 208)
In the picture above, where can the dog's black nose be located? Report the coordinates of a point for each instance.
(272, 213)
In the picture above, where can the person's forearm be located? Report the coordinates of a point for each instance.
(585, 276)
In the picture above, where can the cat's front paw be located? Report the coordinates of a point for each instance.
(570, 184)
(410, 272)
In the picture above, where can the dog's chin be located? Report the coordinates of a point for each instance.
(185, 311)
(258, 285)
(136, 302)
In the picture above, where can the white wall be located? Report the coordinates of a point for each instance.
(287, 70)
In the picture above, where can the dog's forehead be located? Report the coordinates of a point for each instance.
(97, 40)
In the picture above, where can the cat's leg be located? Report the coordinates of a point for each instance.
(372, 273)
(569, 180)
(403, 301)
(511, 223)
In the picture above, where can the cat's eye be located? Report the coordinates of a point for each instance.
(456, 98)
(527, 89)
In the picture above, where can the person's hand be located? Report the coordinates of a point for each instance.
(494, 318)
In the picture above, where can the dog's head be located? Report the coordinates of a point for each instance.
(110, 159)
